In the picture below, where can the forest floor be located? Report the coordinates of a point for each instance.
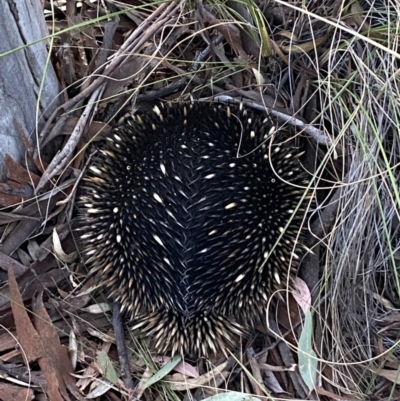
(325, 70)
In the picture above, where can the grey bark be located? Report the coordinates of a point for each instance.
(21, 74)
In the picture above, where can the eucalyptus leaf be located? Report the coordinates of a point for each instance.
(307, 357)
(107, 367)
(168, 367)
(232, 396)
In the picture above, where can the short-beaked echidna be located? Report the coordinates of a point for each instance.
(193, 216)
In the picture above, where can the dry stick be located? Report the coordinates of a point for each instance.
(288, 360)
(109, 31)
(256, 381)
(141, 28)
(168, 90)
(94, 87)
(62, 158)
(121, 347)
(151, 31)
(182, 82)
(325, 222)
(230, 32)
(309, 269)
(146, 33)
(115, 60)
(64, 111)
(319, 136)
(76, 183)
(269, 101)
(78, 99)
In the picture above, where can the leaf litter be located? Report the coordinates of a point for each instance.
(325, 70)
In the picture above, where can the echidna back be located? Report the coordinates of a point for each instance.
(185, 205)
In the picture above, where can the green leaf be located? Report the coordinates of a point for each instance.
(232, 396)
(107, 367)
(163, 371)
(307, 357)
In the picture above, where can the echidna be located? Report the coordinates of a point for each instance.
(193, 216)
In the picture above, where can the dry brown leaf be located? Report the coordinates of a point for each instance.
(47, 280)
(357, 15)
(96, 131)
(9, 355)
(254, 373)
(7, 341)
(55, 363)
(24, 138)
(303, 295)
(333, 396)
(40, 164)
(391, 375)
(201, 381)
(87, 377)
(289, 35)
(20, 174)
(183, 368)
(122, 76)
(139, 390)
(228, 31)
(29, 338)
(42, 345)
(7, 262)
(7, 199)
(393, 317)
(15, 393)
(305, 47)
(12, 217)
